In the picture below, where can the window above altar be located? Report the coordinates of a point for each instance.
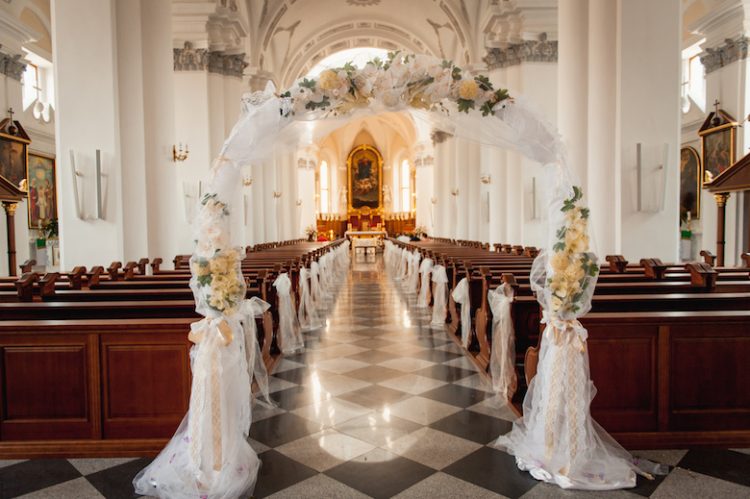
(358, 56)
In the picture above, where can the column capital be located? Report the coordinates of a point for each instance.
(731, 50)
(539, 50)
(721, 199)
(10, 207)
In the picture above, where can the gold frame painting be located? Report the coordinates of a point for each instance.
(690, 182)
(365, 185)
(41, 177)
(13, 169)
(717, 151)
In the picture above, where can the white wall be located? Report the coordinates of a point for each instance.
(650, 114)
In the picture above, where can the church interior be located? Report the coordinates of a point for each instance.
(374, 248)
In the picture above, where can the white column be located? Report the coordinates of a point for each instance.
(472, 185)
(461, 169)
(514, 176)
(572, 86)
(602, 172)
(83, 31)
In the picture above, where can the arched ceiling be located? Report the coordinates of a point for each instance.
(287, 37)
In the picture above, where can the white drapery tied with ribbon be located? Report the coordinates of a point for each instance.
(209, 455)
(461, 296)
(403, 265)
(315, 292)
(289, 328)
(503, 355)
(413, 279)
(439, 293)
(425, 268)
(306, 312)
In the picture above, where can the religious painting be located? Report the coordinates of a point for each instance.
(365, 179)
(717, 144)
(13, 157)
(690, 183)
(42, 195)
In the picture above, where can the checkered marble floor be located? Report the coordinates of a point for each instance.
(382, 405)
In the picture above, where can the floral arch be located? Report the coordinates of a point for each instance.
(556, 439)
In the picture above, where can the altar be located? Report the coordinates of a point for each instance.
(368, 240)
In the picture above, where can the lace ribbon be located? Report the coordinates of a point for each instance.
(307, 315)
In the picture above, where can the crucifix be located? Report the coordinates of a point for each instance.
(716, 121)
(11, 128)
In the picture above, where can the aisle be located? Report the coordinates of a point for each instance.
(377, 405)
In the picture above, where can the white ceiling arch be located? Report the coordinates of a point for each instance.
(287, 37)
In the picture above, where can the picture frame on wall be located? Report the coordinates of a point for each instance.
(13, 155)
(690, 183)
(718, 139)
(42, 190)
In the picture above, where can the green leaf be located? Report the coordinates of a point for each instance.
(446, 64)
(205, 280)
(456, 73)
(464, 105)
(585, 213)
(559, 247)
(307, 84)
(561, 232)
(484, 82)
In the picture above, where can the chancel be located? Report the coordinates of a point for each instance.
(374, 248)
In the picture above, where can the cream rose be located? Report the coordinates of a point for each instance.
(328, 80)
(468, 89)
(559, 261)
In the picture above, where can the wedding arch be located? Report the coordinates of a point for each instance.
(556, 439)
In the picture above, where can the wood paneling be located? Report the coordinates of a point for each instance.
(710, 377)
(624, 369)
(47, 389)
(146, 384)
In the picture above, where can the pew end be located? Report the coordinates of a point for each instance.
(25, 286)
(745, 257)
(155, 264)
(113, 270)
(702, 275)
(617, 263)
(142, 264)
(27, 266)
(654, 268)
(75, 277)
(129, 270)
(47, 284)
(708, 257)
(95, 276)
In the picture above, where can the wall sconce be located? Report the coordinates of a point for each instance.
(180, 154)
(299, 202)
(433, 200)
(485, 178)
(247, 181)
(454, 192)
(276, 194)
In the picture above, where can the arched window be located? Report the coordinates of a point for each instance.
(395, 198)
(324, 189)
(405, 186)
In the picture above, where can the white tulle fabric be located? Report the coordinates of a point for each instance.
(461, 296)
(307, 313)
(439, 295)
(412, 279)
(503, 355)
(289, 327)
(425, 268)
(315, 291)
(209, 455)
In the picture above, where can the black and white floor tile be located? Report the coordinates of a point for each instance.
(382, 405)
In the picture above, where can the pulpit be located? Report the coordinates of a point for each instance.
(736, 178)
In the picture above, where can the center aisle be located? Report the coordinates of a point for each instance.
(381, 405)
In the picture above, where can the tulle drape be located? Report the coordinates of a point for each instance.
(289, 327)
(439, 295)
(503, 355)
(412, 278)
(461, 296)
(307, 312)
(424, 286)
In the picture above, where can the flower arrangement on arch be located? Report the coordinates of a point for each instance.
(573, 266)
(419, 81)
